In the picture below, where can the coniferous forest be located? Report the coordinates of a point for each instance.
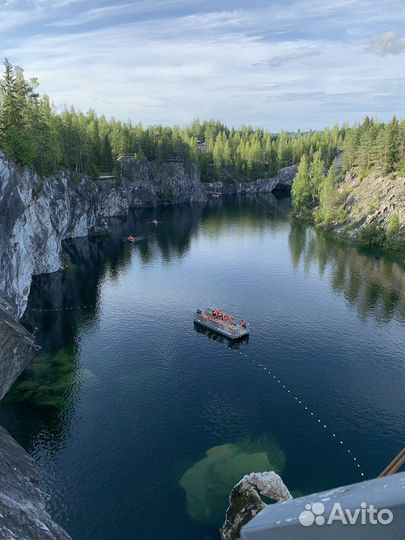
(33, 133)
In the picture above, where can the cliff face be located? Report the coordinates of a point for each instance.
(22, 503)
(36, 216)
(17, 348)
(372, 209)
(368, 209)
(281, 182)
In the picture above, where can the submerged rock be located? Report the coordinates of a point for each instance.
(245, 500)
(208, 482)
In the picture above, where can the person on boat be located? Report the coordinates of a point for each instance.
(243, 324)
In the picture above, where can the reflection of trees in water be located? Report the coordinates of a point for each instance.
(179, 225)
(45, 394)
(248, 212)
(371, 280)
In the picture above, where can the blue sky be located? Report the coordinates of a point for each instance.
(276, 64)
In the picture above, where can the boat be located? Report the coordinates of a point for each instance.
(131, 238)
(220, 322)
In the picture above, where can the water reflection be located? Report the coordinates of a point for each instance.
(213, 336)
(250, 212)
(371, 280)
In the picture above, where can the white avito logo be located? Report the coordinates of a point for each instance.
(313, 513)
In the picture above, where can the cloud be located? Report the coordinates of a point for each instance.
(387, 43)
(297, 54)
(269, 63)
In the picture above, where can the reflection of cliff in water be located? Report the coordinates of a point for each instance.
(372, 280)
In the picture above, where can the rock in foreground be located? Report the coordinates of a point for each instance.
(245, 500)
(22, 502)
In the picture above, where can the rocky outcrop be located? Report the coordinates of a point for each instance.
(17, 347)
(22, 503)
(372, 208)
(245, 500)
(281, 182)
(37, 215)
(148, 185)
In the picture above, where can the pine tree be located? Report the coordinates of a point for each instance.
(301, 189)
(327, 198)
(392, 145)
(317, 176)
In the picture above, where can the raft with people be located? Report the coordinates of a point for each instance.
(222, 323)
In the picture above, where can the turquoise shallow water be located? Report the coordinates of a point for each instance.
(127, 397)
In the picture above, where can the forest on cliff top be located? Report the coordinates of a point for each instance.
(34, 133)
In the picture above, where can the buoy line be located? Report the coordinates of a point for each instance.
(307, 409)
(69, 308)
(269, 372)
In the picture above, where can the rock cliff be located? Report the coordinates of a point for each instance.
(17, 348)
(372, 209)
(281, 182)
(37, 215)
(22, 503)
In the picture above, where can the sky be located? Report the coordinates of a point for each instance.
(275, 64)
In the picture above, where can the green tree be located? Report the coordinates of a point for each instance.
(301, 189)
(392, 145)
(327, 198)
(317, 176)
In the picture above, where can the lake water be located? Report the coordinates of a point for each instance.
(126, 397)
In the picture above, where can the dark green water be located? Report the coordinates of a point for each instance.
(126, 397)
